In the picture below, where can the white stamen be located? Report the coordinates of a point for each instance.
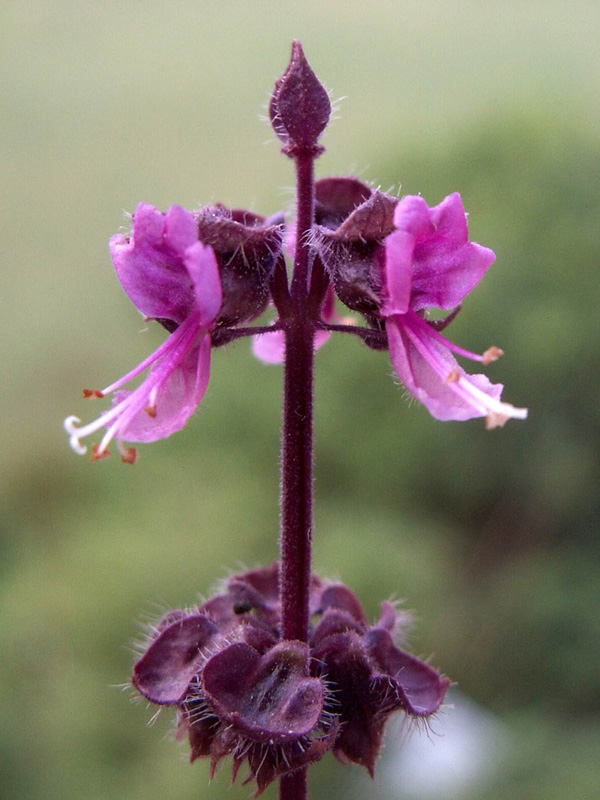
(496, 407)
(495, 411)
(109, 435)
(151, 407)
(76, 434)
(117, 418)
(69, 425)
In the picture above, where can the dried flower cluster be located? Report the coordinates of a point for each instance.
(281, 705)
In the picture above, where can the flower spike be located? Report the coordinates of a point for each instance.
(281, 667)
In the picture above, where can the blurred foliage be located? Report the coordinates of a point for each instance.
(491, 537)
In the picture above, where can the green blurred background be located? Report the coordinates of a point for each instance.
(490, 537)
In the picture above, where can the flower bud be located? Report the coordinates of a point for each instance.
(300, 107)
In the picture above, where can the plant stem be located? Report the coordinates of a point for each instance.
(294, 786)
(296, 481)
(297, 445)
(305, 211)
(297, 435)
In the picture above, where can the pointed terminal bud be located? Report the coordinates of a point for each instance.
(300, 107)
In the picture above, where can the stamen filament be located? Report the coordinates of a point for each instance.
(147, 362)
(465, 388)
(117, 418)
(424, 325)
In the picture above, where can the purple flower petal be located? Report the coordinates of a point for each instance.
(179, 389)
(413, 215)
(420, 688)
(269, 347)
(162, 403)
(397, 287)
(269, 698)
(150, 265)
(180, 231)
(164, 672)
(201, 264)
(445, 265)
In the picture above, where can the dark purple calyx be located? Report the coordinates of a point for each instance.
(266, 766)
(260, 586)
(417, 687)
(199, 727)
(299, 107)
(166, 669)
(353, 223)
(247, 247)
(338, 596)
(336, 199)
(341, 611)
(268, 698)
(349, 670)
(389, 617)
(276, 705)
(334, 621)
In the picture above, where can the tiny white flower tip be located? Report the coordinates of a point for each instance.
(495, 419)
(70, 426)
(70, 423)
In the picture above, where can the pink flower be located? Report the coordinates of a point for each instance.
(170, 276)
(270, 347)
(429, 262)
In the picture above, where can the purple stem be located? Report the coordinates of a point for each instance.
(294, 786)
(297, 444)
(296, 480)
(297, 436)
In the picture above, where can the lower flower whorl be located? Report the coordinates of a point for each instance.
(278, 704)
